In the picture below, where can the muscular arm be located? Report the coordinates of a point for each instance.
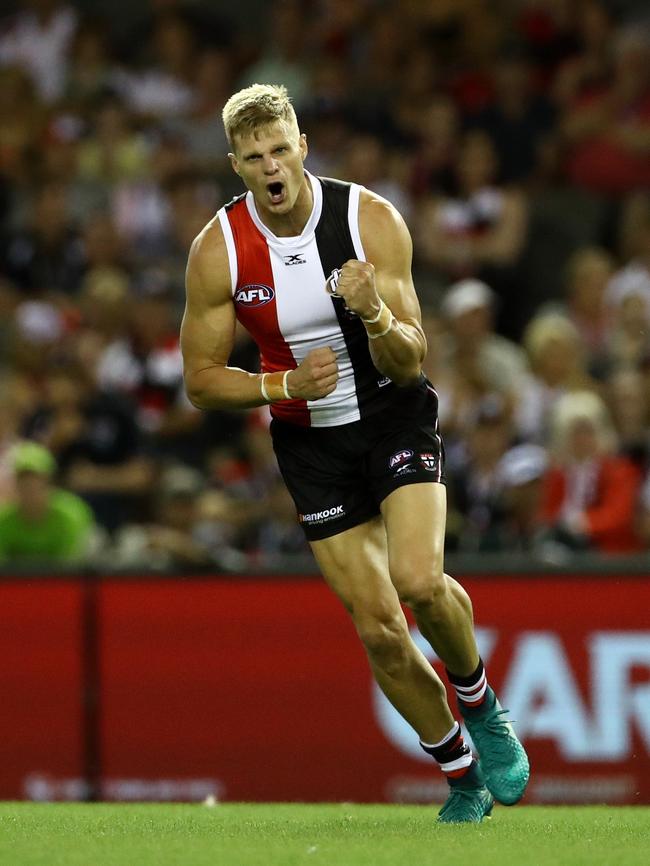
(387, 277)
(207, 336)
(208, 328)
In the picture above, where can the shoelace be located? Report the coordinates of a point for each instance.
(496, 724)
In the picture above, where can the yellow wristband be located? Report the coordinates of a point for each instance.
(274, 387)
(381, 324)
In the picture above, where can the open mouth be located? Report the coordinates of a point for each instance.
(276, 192)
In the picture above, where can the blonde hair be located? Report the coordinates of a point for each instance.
(576, 406)
(257, 106)
(544, 329)
(587, 257)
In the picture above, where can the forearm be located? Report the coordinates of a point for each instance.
(218, 387)
(397, 348)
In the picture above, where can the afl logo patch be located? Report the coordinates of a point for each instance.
(400, 457)
(254, 295)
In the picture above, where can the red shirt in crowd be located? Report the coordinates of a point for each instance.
(609, 502)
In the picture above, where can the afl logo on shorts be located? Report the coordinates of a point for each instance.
(254, 295)
(400, 457)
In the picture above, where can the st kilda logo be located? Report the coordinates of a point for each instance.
(254, 295)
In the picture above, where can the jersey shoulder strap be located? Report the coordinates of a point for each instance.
(339, 222)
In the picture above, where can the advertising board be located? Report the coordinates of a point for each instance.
(257, 689)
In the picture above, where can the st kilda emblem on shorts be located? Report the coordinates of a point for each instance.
(429, 461)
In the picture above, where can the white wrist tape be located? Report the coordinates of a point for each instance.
(378, 316)
(263, 388)
(274, 386)
(285, 386)
(381, 324)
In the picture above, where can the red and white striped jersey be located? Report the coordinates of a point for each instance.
(278, 286)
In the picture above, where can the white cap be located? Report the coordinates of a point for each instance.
(39, 321)
(466, 295)
(631, 281)
(522, 464)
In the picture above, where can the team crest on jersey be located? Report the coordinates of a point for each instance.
(399, 458)
(254, 295)
(429, 461)
(332, 282)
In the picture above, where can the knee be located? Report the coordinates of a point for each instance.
(416, 574)
(385, 637)
(424, 590)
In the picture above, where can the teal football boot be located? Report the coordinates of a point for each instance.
(503, 759)
(469, 801)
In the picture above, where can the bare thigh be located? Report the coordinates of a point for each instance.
(355, 565)
(415, 517)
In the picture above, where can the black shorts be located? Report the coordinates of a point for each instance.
(338, 476)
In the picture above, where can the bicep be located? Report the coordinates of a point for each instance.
(208, 327)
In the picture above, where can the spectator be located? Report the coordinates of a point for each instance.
(281, 58)
(643, 522)
(469, 307)
(369, 163)
(35, 343)
(42, 522)
(590, 495)
(201, 127)
(558, 365)
(628, 292)
(520, 477)
(163, 86)
(98, 445)
(607, 132)
(22, 122)
(90, 70)
(172, 540)
(587, 275)
(47, 255)
(113, 152)
(629, 404)
(437, 135)
(144, 365)
(480, 230)
(474, 473)
(13, 398)
(589, 69)
(519, 120)
(38, 38)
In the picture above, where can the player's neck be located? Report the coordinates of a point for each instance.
(290, 224)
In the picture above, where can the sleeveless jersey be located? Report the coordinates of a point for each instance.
(278, 286)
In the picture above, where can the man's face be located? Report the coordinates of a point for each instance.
(583, 443)
(270, 162)
(32, 493)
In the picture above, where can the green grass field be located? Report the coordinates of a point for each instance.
(315, 835)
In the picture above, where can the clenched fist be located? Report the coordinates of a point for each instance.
(356, 285)
(315, 377)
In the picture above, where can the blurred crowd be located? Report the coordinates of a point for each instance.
(513, 135)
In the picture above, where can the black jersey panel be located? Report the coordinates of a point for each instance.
(335, 247)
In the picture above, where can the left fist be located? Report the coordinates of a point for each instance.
(356, 285)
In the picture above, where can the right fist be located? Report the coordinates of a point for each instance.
(315, 377)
